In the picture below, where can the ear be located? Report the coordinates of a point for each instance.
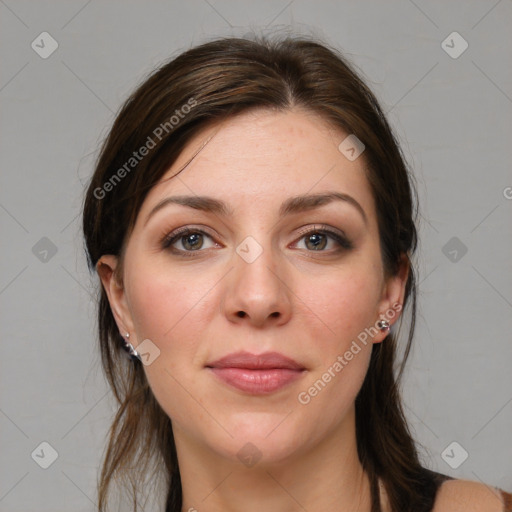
(392, 299)
(106, 268)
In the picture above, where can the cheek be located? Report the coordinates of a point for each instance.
(346, 303)
(168, 306)
(173, 311)
(345, 308)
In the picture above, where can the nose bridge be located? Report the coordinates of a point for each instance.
(257, 266)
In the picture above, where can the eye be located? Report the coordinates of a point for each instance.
(317, 239)
(190, 240)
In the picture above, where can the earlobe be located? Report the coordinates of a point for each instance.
(393, 298)
(106, 268)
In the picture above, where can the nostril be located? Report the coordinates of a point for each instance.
(240, 314)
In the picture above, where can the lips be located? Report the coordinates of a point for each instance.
(266, 361)
(256, 374)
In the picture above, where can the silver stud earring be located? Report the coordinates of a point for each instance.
(383, 325)
(129, 348)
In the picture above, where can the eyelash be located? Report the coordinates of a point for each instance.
(168, 240)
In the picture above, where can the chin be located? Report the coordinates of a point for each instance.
(263, 437)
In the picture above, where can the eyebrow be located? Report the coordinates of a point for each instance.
(292, 205)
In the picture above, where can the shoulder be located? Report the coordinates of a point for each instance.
(469, 496)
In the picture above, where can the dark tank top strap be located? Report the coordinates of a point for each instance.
(429, 482)
(437, 479)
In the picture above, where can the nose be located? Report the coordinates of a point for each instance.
(258, 292)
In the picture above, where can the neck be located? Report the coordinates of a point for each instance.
(328, 476)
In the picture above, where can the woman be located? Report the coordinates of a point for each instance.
(252, 221)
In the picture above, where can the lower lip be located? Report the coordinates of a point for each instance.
(257, 382)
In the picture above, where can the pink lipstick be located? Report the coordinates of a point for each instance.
(256, 374)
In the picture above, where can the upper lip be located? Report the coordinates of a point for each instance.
(265, 361)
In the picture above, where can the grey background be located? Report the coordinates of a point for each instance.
(452, 115)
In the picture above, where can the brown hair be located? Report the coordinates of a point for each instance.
(217, 80)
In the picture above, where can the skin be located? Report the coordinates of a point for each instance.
(308, 305)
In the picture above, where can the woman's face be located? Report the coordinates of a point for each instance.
(258, 276)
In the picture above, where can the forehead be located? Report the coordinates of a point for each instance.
(261, 157)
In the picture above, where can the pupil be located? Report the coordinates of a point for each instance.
(317, 240)
(194, 237)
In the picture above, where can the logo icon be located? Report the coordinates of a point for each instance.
(351, 147)
(454, 455)
(44, 45)
(249, 250)
(454, 250)
(44, 250)
(454, 45)
(148, 351)
(44, 455)
(249, 455)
